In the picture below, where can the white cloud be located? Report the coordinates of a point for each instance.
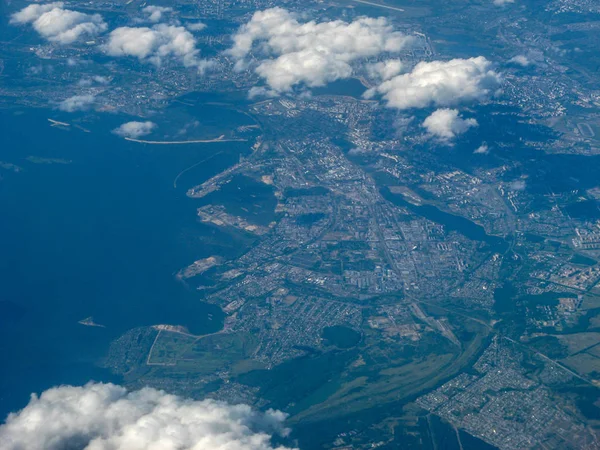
(517, 185)
(291, 52)
(261, 91)
(59, 25)
(98, 79)
(155, 44)
(483, 149)
(385, 70)
(155, 13)
(135, 129)
(195, 26)
(402, 125)
(77, 103)
(446, 124)
(107, 417)
(440, 83)
(503, 2)
(520, 60)
(101, 79)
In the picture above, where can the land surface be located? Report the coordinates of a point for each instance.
(387, 290)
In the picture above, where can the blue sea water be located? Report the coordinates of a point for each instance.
(102, 237)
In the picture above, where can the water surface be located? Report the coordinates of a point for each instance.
(101, 236)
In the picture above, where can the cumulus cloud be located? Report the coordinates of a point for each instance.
(101, 79)
(483, 149)
(155, 44)
(57, 24)
(440, 83)
(261, 91)
(290, 52)
(446, 124)
(517, 185)
(195, 26)
(107, 417)
(402, 125)
(520, 60)
(134, 130)
(77, 103)
(155, 13)
(385, 70)
(98, 79)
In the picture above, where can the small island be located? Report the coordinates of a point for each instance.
(89, 322)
